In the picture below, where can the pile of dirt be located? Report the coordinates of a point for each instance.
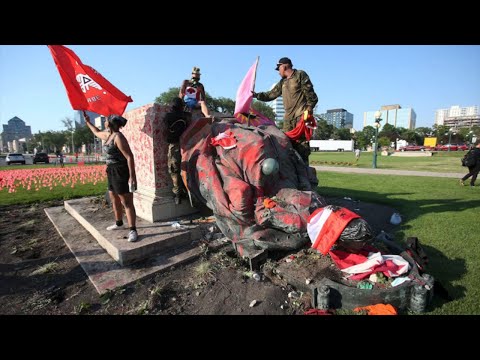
(39, 275)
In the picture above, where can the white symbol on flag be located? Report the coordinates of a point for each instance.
(85, 82)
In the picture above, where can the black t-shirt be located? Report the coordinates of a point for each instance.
(177, 122)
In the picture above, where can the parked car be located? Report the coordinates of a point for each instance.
(41, 157)
(462, 147)
(445, 147)
(15, 158)
(412, 148)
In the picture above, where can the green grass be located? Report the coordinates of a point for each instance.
(23, 196)
(38, 166)
(439, 162)
(443, 215)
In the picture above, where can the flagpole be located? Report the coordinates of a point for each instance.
(253, 87)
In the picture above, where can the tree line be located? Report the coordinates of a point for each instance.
(52, 141)
(390, 133)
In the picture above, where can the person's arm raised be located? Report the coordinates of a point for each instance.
(96, 131)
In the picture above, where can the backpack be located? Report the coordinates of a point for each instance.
(469, 159)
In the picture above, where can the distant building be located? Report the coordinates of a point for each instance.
(15, 130)
(458, 117)
(278, 109)
(393, 115)
(339, 118)
(277, 106)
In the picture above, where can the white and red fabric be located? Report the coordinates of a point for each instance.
(359, 266)
(325, 226)
(225, 139)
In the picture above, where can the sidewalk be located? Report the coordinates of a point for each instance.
(355, 170)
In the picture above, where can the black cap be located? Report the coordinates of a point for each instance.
(283, 61)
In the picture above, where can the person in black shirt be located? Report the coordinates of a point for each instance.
(177, 121)
(122, 179)
(474, 168)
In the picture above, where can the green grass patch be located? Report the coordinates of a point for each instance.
(23, 196)
(439, 162)
(441, 213)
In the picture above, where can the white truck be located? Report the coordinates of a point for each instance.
(331, 145)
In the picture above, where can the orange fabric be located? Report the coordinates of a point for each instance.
(378, 309)
(269, 203)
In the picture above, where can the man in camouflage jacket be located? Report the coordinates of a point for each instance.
(298, 95)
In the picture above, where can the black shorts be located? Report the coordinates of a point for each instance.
(118, 176)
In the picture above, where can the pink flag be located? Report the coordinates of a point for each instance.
(244, 93)
(243, 103)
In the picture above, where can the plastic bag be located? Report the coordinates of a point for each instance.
(356, 234)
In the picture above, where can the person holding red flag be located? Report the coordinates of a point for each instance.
(122, 179)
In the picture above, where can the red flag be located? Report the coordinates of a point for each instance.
(86, 88)
(305, 126)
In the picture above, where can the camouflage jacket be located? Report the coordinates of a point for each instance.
(297, 93)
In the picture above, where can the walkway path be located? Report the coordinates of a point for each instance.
(387, 171)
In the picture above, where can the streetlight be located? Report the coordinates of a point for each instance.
(378, 118)
(450, 138)
(471, 136)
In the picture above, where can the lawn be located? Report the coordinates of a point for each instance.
(30, 184)
(441, 213)
(439, 162)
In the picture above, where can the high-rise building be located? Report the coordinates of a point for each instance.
(458, 117)
(277, 106)
(278, 109)
(339, 118)
(15, 130)
(393, 115)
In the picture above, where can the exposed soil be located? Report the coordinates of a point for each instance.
(39, 275)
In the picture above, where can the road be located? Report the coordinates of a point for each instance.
(355, 170)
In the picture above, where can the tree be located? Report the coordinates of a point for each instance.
(167, 97)
(361, 141)
(83, 135)
(411, 137)
(263, 108)
(223, 105)
(323, 130)
(369, 133)
(389, 131)
(384, 141)
(341, 134)
(68, 123)
(424, 131)
(440, 131)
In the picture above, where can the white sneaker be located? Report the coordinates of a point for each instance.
(115, 227)
(132, 236)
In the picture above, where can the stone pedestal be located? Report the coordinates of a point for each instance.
(146, 135)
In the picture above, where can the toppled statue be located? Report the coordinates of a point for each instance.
(260, 190)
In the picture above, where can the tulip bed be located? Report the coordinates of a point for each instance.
(40, 184)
